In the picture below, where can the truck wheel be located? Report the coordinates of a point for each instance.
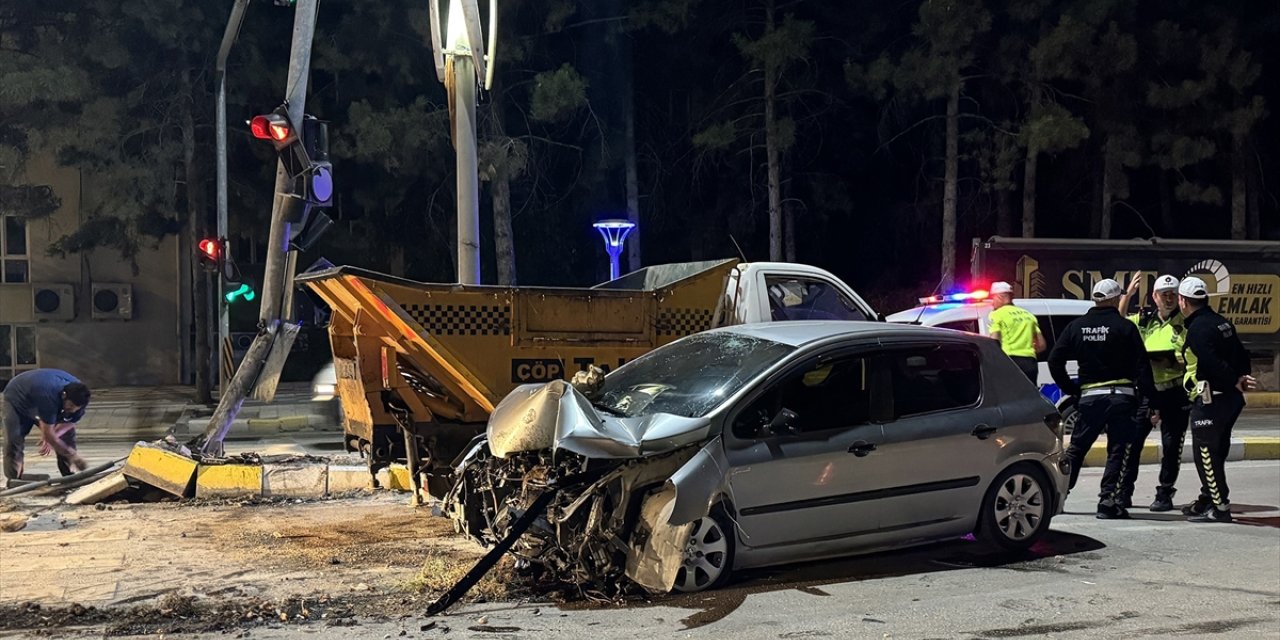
(708, 556)
(1016, 510)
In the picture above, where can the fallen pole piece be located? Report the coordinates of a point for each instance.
(60, 480)
(462, 586)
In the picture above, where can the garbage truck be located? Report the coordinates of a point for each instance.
(419, 366)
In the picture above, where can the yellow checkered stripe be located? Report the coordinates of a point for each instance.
(461, 319)
(683, 322)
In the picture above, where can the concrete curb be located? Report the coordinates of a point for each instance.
(1262, 399)
(1249, 448)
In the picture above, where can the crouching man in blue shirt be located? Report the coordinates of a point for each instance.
(52, 400)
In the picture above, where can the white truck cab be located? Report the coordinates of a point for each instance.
(778, 291)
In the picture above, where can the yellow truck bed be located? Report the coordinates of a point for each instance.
(447, 353)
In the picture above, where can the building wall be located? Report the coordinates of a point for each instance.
(145, 350)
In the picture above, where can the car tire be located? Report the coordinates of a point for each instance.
(1017, 509)
(709, 554)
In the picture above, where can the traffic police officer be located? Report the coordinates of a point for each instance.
(1162, 334)
(1017, 330)
(1217, 377)
(1112, 363)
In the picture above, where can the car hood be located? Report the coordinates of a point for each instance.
(555, 415)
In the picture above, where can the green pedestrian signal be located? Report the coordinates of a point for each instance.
(243, 292)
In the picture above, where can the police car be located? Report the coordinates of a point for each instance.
(968, 311)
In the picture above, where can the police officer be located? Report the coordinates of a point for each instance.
(1017, 330)
(1113, 367)
(1162, 330)
(1217, 377)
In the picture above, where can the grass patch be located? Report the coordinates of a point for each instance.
(442, 569)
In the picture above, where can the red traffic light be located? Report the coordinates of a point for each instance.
(270, 127)
(210, 248)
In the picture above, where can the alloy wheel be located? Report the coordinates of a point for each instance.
(705, 556)
(1019, 507)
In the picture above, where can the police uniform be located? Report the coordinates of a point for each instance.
(1113, 368)
(1216, 360)
(1163, 338)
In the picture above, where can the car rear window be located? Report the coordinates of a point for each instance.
(934, 378)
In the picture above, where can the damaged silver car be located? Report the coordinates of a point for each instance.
(764, 444)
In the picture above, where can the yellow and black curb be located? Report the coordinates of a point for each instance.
(1247, 448)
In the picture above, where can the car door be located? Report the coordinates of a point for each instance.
(941, 443)
(807, 479)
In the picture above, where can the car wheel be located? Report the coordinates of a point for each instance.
(1016, 510)
(708, 556)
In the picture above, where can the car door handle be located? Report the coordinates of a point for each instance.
(982, 431)
(861, 448)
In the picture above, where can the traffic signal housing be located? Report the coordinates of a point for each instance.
(212, 253)
(303, 149)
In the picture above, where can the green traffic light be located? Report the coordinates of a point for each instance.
(243, 291)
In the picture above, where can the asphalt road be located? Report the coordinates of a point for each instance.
(1150, 577)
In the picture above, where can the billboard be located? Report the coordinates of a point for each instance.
(1243, 277)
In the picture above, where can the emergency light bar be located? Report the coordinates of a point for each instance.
(970, 296)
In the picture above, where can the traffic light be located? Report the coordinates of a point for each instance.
(212, 254)
(303, 150)
(240, 291)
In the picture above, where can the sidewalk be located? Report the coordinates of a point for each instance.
(148, 413)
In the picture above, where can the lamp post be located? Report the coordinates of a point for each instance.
(614, 232)
(461, 61)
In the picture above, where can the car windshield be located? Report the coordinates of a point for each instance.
(689, 377)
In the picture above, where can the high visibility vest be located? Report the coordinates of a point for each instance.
(1163, 336)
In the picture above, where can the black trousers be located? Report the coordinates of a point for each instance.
(1115, 414)
(1211, 426)
(1174, 408)
(1028, 366)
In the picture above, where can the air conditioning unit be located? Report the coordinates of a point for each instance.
(112, 301)
(53, 302)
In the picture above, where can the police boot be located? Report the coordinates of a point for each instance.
(1213, 514)
(1164, 499)
(1110, 510)
(1201, 506)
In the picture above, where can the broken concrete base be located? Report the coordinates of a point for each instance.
(99, 490)
(295, 480)
(162, 469)
(233, 480)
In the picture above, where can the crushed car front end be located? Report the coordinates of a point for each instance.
(598, 457)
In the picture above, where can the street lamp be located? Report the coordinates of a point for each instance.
(459, 54)
(615, 233)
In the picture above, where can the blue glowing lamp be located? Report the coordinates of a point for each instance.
(615, 233)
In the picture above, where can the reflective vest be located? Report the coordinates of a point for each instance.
(1165, 337)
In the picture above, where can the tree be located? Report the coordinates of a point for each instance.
(947, 35)
(40, 85)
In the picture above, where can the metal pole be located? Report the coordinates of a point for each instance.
(468, 184)
(228, 40)
(274, 284)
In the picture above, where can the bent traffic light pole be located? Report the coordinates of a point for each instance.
(278, 276)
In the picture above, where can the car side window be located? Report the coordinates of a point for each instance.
(806, 299)
(933, 378)
(831, 394)
(968, 326)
